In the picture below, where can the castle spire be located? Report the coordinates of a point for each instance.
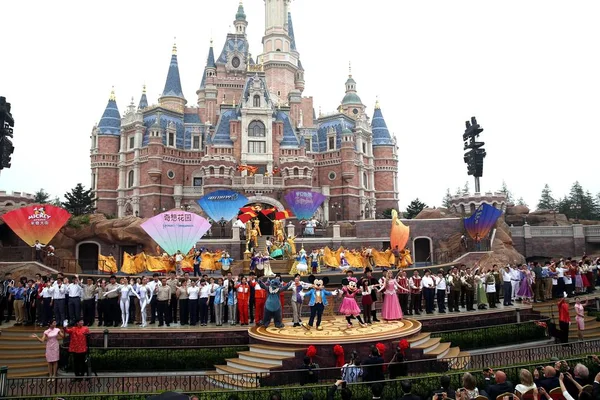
(240, 20)
(173, 83)
(291, 32)
(110, 123)
(143, 100)
(381, 134)
(211, 67)
(240, 15)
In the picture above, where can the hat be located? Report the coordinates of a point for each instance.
(555, 359)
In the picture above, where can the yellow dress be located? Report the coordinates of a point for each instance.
(107, 264)
(330, 259)
(399, 233)
(207, 262)
(406, 258)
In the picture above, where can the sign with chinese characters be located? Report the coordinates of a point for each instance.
(36, 222)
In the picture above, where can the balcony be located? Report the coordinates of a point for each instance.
(194, 191)
(258, 182)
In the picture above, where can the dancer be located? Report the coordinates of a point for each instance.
(580, 317)
(226, 261)
(266, 261)
(297, 299)
(314, 261)
(391, 310)
(51, 336)
(243, 295)
(318, 300)
(231, 296)
(527, 279)
(372, 281)
(403, 292)
(124, 289)
(300, 266)
(145, 296)
(366, 300)
(260, 296)
(349, 308)
(343, 261)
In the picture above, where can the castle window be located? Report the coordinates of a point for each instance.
(130, 178)
(222, 171)
(131, 142)
(257, 147)
(196, 142)
(331, 176)
(331, 143)
(197, 182)
(256, 101)
(308, 143)
(171, 139)
(295, 171)
(256, 129)
(364, 146)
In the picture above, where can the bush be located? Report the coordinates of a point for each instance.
(493, 336)
(146, 360)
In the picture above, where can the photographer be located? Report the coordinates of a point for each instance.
(340, 385)
(445, 391)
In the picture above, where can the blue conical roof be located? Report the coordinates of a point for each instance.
(381, 134)
(210, 62)
(143, 100)
(291, 32)
(110, 123)
(173, 83)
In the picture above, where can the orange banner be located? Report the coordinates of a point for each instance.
(36, 222)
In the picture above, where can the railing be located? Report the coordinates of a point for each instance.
(193, 190)
(591, 230)
(255, 385)
(550, 231)
(115, 339)
(258, 180)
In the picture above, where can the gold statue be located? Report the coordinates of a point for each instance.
(257, 226)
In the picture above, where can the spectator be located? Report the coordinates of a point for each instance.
(582, 395)
(308, 396)
(501, 386)
(470, 385)
(373, 367)
(351, 371)
(377, 390)
(549, 380)
(345, 393)
(407, 390)
(445, 388)
(580, 376)
(488, 377)
(275, 396)
(310, 375)
(526, 382)
(397, 367)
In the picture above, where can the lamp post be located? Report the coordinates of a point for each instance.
(577, 209)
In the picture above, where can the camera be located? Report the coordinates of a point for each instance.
(440, 396)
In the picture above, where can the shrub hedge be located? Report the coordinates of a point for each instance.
(493, 336)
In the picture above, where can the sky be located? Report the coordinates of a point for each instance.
(528, 70)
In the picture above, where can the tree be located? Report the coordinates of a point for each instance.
(414, 208)
(521, 202)
(41, 197)
(504, 190)
(387, 213)
(579, 204)
(465, 190)
(79, 201)
(56, 202)
(447, 200)
(547, 202)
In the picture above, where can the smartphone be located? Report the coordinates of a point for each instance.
(440, 396)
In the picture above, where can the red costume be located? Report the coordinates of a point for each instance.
(243, 296)
(260, 296)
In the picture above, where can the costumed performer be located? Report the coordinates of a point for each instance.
(366, 299)
(406, 258)
(300, 266)
(317, 300)
(349, 308)
(226, 261)
(343, 261)
(243, 296)
(314, 261)
(372, 282)
(391, 310)
(266, 262)
(297, 298)
(272, 308)
(260, 296)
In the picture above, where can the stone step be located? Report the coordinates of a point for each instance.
(288, 352)
(19, 349)
(452, 353)
(37, 368)
(22, 358)
(25, 332)
(232, 382)
(418, 339)
(261, 358)
(249, 366)
(230, 370)
(439, 351)
(428, 345)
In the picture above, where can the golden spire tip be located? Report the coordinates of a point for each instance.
(144, 89)
(377, 107)
(112, 94)
(175, 46)
(350, 68)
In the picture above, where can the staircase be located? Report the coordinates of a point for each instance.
(550, 309)
(24, 356)
(244, 372)
(443, 352)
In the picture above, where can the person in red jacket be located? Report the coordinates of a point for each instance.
(564, 321)
(260, 296)
(78, 346)
(243, 297)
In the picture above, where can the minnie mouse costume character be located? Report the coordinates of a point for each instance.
(349, 307)
(318, 301)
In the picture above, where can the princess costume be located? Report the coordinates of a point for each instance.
(391, 306)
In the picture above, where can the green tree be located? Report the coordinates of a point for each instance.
(521, 202)
(414, 208)
(387, 213)
(41, 197)
(579, 204)
(504, 190)
(56, 202)
(547, 202)
(447, 200)
(79, 201)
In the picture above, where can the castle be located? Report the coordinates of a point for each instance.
(251, 131)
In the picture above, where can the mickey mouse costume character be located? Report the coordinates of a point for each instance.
(349, 307)
(318, 301)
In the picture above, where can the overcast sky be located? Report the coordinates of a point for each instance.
(529, 70)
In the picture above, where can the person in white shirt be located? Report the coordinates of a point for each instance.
(193, 293)
(515, 279)
(203, 302)
(178, 260)
(75, 292)
(153, 285)
(58, 298)
(440, 287)
(506, 278)
(428, 286)
(38, 251)
(46, 304)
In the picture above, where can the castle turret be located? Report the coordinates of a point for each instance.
(143, 100)
(299, 80)
(352, 105)
(106, 139)
(386, 172)
(208, 92)
(172, 96)
(240, 22)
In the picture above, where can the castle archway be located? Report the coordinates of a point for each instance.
(422, 250)
(87, 255)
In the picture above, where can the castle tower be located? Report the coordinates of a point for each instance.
(351, 105)
(143, 100)
(172, 96)
(240, 22)
(105, 147)
(386, 163)
(349, 177)
(279, 58)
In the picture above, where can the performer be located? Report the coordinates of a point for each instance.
(372, 281)
(391, 307)
(314, 261)
(580, 317)
(403, 292)
(184, 303)
(300, 266)
(226, 261)
(527, 278)
(317, 301)
(490, 288)
(266, 261)
(440, 287)
(255, 260)
(349, 308)
(479, 278)
(468, 281)
(366, 299)
(124, 289)
(220, 300)
(260, 296)
(415, 292)
(428, 289)
(453, 284)
(273, 309)
(297, 299)
(231, 301)
(243, 295)
(145, 295)
(344, 265)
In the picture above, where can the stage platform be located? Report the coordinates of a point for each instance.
(335, 330)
